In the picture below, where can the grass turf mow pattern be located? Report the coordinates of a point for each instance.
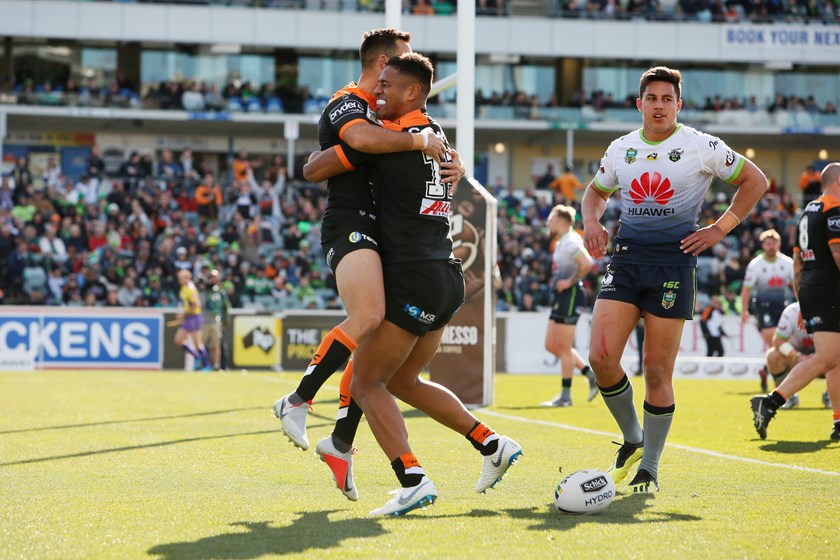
(176, 465)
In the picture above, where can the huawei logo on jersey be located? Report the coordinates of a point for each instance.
(776, 282)
(647, 187)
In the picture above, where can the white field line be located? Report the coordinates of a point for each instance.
(612, 435)
(674, 445)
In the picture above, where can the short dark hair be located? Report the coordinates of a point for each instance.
(380, 41)
(661, 74)
(417, 66)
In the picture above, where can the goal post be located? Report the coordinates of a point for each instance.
(466, 360)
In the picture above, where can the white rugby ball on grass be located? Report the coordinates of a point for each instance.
(586, 491)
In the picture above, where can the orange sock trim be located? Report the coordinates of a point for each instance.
(409, 460)
(335, 334)
(344, 386)
(481, 433)
(345, 339)
(836, 416)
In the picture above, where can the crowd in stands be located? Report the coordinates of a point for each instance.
(243, 96)
(119, 240)
(722, 11)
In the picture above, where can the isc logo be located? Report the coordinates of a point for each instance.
(673, 284)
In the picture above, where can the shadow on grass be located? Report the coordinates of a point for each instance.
(132, 420)
(81, 454)
(795, 447)
(312, 531)
(625, 509)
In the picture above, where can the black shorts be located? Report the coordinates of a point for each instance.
(423, 296)
(347, 232)
(566, 306)
(663, 291)
(768, 313)
(820, 307)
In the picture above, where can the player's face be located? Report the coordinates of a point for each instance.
(659, 106)
(391, 94)
(771, 246)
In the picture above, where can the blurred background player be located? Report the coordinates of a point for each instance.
(767, 289)
(190, 328)
(817, 267)
(791, 345)
(711, 324)
(570, 264)
(214, 309)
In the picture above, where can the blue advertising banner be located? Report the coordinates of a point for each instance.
(81, 339)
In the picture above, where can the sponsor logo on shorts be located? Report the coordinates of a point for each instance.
(630, 155)
(668, 299)
(834, 224)
(349, 106)
(358, 237)
(606, 283)
(418, 314)
(593, 485)
(676, 154)
(330, 256)
(440, 208)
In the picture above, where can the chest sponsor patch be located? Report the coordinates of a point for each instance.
(347, 107)
(834, 224)
(440, 208)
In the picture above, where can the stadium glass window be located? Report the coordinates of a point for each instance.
(56, 63)
(324, 74)
(162, 66)
(533, 79)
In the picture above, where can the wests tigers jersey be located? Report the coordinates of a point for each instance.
(662, 187)
(818, 229)
(412, 205)
(348, 192)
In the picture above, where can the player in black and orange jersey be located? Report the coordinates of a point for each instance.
(817, 274)
(424, 286)
(350, 242)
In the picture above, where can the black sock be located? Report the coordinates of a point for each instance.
(345, 428)
(775, 400)
(334, 350)
(406, 462)
(585, 371)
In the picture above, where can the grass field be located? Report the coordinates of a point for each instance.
(183, 465)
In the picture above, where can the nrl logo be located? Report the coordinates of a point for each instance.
(668, 300)
(630, 155)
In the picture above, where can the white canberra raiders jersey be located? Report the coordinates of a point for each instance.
(788, 329)
(770, 281)
(563, 263)
(662, 185)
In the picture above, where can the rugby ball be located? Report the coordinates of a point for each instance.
(587, 491)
